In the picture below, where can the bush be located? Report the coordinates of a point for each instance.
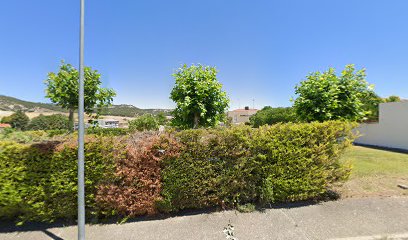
(146, 122)
(39, 181)
(24, 136)
(138, 176)
(270, 115)
(51, 122)
(230, 167)
(18, 120)
(146, 172)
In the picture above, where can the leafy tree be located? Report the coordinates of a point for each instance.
(392, 98)
(146, 122)
(62, 89)
(269, 115)
(371, 106)
(326, 96)
(161, 119)
(51, 122)
(200, 100)
(18, 120)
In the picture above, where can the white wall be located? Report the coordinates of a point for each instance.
(392, 129)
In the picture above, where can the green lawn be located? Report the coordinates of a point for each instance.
(375, 172)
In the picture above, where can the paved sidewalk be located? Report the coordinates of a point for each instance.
(367, 218)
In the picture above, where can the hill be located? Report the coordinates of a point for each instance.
(13, 104)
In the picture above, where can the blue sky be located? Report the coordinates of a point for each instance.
(261, 48)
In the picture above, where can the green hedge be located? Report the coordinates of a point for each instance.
(235, 166)
(145, 173)
(38, 181)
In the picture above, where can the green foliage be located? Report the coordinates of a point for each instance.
(392, 99)
(235, 166)
(24, 136)
(62, 89)
(269, 115)
(326, 96)
(51, 122)
(39, 181)
(6, 119)
(371, 106)
(145, 172)
(18, 120)
(200, 100)
(146, 122)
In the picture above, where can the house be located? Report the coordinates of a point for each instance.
(102, 123)
(241, 116)
(392, 129)
(107, 123)
(4, 125)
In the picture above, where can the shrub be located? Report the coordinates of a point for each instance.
(270, 115)
(39, 181)
(301, 161)
(230, 167)
(146, 122)
(51, 122)
(145, 172)
(18, 120)
(138, 176)
(24, 137)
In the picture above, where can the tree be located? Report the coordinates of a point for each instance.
(146, 122)
(18, 120)
(62, 89)
(371, 106)
(269, 115)
(51, 122)
(200, 100)
(392, 98)
(326, 96)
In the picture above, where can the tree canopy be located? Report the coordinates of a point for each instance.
(50, 122)
(62, 89)
(327, 96)
(200, 100)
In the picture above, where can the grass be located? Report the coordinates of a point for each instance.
(375, 173)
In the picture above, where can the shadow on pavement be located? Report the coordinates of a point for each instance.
(10, 226)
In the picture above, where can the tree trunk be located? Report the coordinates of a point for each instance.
(71, 120)
(196, 119)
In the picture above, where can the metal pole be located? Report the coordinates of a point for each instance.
(81, 132)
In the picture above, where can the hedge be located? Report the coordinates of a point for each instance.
(147, 173)
(235, 166)
(38, 181)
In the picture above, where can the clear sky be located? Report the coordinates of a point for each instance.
(262, 49)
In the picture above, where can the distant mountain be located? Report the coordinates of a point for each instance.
(13, 104)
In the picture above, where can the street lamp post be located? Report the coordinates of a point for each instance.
(81, 131)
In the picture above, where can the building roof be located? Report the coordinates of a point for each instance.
(4, 125)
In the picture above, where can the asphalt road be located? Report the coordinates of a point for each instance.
(367, 218)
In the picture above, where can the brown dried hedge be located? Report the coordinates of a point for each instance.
(137, 183)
